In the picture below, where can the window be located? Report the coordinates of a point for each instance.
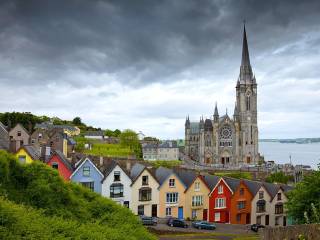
(277, 221)
(241, 205)
(89, 185)
(40, 135)
(116, 175)
(220, 203)
(279, 209)
(51, 144)
(248, 103)
(261, 206)
(33, 140)
(194, 214)
(144, 180)
(171, 182)
(168, 211)
(19, 133)
(261, 195)
(241, 191)
(55, 165)
(238, 217)
(86, 171)
(220, 189)
(279, 196)
(141, 210)
(116, 190)
(197, 186)
(197, 201)
(145, 194)
(57, 138)
(22, 159)
(217, 216)
(172, 198)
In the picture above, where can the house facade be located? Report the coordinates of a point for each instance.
(145, 192)
(117, 185)
(197, 200)
(27, 154)
(59, 162)
(220, 202)
(88, 175)
(18, 136)
(240, 212)
(172, 197)
(279, 217)
(261, 207)
(167, 150)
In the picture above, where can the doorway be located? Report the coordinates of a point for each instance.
(180, 212)
(154, 210)
(205, 214)
(267, 220)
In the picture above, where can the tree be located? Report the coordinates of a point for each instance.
(129, 138)
(117, 133)
(77, 121)
(304, 200)
(278, 177)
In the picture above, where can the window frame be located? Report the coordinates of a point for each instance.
(86, 171)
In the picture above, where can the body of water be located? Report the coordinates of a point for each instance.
(307, 154)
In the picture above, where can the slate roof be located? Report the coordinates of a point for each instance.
(150, 145)
(211, 180)
(63, 158)
(233, 183)
(208, 124)
(94, 133)
(32, 151)
(136, 170)
(194, 127)
(46, 125)
(271, 188)
(168, 144)
(253, 186)
(162, 173)
(186, 176)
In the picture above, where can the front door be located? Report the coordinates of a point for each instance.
(205, 214)
(267, 220)
(222, 160)
(248, 218)
(180, 212)
(284, 221)
(154, 210)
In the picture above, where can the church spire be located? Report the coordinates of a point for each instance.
(245, 50)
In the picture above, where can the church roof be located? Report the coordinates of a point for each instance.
(208, 124)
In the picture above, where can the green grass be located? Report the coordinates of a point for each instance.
(109, 150)
(165, 163)
(235, 174)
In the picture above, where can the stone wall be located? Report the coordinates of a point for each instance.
(308, 231)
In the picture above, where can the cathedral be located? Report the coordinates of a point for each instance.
(228, 140)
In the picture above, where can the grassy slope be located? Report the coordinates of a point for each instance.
(46, 196)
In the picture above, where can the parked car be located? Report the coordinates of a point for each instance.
(204, 225)
(255, 227)
(148, 220)
(174, 222)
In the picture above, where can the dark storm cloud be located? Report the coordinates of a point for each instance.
(139, 41)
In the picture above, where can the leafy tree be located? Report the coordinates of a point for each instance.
(77, 121)
(278, 177)
(129, 138)
(117, 133)
(304, 200)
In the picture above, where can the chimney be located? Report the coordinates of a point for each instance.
(128, 165)
(101, 160)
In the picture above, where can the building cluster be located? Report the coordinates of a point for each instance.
(181, 193)
(166, 150)
(40, 143)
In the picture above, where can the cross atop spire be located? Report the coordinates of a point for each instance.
(245, 50)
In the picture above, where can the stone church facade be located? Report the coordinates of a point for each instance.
(228, 140)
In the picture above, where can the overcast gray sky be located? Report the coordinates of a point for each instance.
(145, 65)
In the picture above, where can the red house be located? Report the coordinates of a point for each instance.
(58, 161)
(220, 200)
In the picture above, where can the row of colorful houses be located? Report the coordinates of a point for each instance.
(180, 193)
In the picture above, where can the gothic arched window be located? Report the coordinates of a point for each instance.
(248, 102)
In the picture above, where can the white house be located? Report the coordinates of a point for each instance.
(117, 184)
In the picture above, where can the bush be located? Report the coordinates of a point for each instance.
(46, 196)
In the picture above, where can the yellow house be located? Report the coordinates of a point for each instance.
(27, 154)
(197, 199)
(173, 184)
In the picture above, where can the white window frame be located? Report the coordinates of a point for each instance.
(173, 198)
(220, 189)
(217, 216)
(172, 182)
(197, 186)
(220, 203)
(168, 211)
(197, 200)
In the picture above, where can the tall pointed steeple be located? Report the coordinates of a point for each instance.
(245, 61)
(246, 75)
(216, 114)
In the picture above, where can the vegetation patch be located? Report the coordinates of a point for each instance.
(235, 174)
(166, 163)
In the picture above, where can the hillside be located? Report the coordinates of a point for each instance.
(35, 203)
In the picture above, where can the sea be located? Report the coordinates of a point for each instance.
(306, 154)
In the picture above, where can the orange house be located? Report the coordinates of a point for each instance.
(240, 212)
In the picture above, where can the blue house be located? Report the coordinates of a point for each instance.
(88, 175)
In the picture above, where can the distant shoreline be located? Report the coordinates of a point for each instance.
(293, 140)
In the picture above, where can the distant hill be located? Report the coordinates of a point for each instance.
(294, 140)
(35, 203)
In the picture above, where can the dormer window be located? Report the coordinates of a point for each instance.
(116, 176)
(172, 182)
(279, 196)
(220, 189)
(19, 133)
(261, 195)
(197, 186)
